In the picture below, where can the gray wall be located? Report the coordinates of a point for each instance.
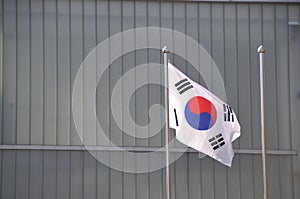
(42, 46)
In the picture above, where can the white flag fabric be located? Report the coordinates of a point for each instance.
(202, 121)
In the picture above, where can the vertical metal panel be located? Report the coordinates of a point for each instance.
(283, 98)
(89, 176)
(22, 174)
(128, 63)
(76, 175)
(294, 71)
(8, 174)
(36, 174)
(141, 57)
(194, 176)
(103, 85)
(268, 41)
(205, 34)
(36, 71)
(49, 174)
(50, 72)
(9, 69)
(1, 70)
(89, 42)
(282, 76)
(103, 182)
(154, 56)
(1, 163)
(76, 60)
(155, 97)
(141, 97)
(63, 73)
(115, 72)
(103, 172)
(63, 174)
(115, 69)
(255, 39)
(23, 74)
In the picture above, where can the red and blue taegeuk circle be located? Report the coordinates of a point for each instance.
(200, 113)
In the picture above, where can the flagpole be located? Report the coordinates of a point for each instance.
(261, 52)
(167, 133)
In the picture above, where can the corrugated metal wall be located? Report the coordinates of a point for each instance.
(43, 43)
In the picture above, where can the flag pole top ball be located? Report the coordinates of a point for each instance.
(261, 49)
(165, 50)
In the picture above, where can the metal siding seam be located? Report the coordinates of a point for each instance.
(30, 61)
(56, 158)
(43, 160)
(161, 97)
(237, 89)
(1, 72)
(250, 78)
(1, 91)
(96, 41)
(16, 103)
(108, 28)
(290, 102)
(135, 112)
(289, 94)
(70, 79)
(15, 172)
(83, 153)
(276, 94)
(29, 165)
(56, 71)
(294, 190)
(122, 71)
(148, 92)
(43, 137)
(1, 166)
(299, 39)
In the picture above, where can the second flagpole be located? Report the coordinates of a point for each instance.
(167, 132)
(261, 52)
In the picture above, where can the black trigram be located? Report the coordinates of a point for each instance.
(183, 85)
(176, 119)
(217, 141)
(228, 113)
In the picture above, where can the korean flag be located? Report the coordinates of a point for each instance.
(201, 120)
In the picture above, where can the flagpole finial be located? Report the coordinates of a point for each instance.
(261, 49)
(165, 50)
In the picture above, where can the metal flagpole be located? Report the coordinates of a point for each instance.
(167, 133)
(261, 52)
